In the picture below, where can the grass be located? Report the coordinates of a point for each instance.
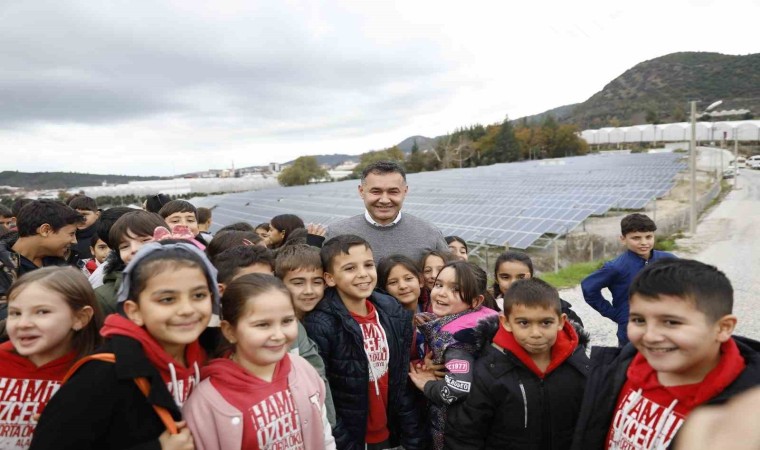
(666, 245)
(571, 275)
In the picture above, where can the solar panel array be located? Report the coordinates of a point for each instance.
(512, 204)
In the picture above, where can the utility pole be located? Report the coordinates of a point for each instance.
(693, 170)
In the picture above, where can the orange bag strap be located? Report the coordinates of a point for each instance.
(142, 383)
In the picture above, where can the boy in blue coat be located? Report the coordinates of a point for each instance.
(637, 234)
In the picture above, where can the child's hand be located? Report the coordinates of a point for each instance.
(419, 319)
(316, 229)
(180, 441)
(438, 370)
(420, 376)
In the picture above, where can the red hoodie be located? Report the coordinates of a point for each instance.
(270, 416)
(179, 379)
(563, 348)
(24, 391)
(648, 414)
(378, 355)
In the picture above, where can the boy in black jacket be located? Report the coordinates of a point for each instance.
(681, 355)
(528, 384)
(364, 339)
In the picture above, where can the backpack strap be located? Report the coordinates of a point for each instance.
(142, 383)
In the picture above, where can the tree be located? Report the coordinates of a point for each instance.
(506, 148)
(389, 154)
(303, 170)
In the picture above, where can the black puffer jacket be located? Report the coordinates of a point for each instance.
(509, 407)
(101, 407)
(341, 347)
(609, 367)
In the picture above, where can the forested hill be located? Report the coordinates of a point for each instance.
(659, 90)
(61, 180)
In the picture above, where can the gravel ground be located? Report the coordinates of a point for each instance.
(728, 237)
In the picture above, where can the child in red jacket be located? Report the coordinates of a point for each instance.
(53, 318)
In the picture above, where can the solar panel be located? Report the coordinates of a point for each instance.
(514, 204)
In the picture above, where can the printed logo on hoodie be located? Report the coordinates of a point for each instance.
(642, 424)
(278, 426)
(20, 400)
(376, 346)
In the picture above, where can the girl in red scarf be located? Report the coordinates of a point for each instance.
(166, 300)
(53, 318)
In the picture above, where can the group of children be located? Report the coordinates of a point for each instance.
(267, 337)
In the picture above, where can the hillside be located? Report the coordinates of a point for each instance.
(659, 90)
(61, 180)
(424, 143)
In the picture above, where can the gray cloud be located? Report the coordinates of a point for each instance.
(87, 63)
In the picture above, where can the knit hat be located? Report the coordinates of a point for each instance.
(147, 249)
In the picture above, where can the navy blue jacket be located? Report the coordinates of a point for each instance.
(617, 275)
(609, 368)
(341, 346)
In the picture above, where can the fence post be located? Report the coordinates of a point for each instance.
(556, 256)
(591, 245)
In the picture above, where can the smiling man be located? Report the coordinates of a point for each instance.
(387, 229)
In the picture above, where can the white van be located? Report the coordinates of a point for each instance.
(741, 162)
(753, 162)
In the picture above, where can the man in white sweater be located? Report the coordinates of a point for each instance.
(383, 188)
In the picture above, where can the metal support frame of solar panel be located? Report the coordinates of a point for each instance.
(514, 203)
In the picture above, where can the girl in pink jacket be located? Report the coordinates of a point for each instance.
(259, 396)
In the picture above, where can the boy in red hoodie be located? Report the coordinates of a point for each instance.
(528, 385)
(681, 355)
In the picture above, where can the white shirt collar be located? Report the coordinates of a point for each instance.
(372, 221)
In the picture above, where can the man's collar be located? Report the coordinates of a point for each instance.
(371, 221)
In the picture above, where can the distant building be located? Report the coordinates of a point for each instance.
(275, 167)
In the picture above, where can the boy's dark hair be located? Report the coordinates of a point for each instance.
(389, 262)
(637, 223)
(264, 226)
(532, 293)
(154, 203)
(51, 212)
(339, 245)
(204, 214)
(94, 241)
(83, 202)
(382, 168)
(230, 239)
(297, 256)
(139, 223)
(18, 204)
(510, 256)
(471, 279)
(237, 226)
(230, 261)
(177, 206)
(701, 283)
(5, 211)
(106, 221)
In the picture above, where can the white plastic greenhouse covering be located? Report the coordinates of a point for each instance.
(743, 130)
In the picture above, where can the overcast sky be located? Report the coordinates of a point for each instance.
(168, 87)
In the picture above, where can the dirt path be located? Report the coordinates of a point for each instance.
(728, 237)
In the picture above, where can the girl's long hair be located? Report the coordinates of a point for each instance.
(73, 286)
